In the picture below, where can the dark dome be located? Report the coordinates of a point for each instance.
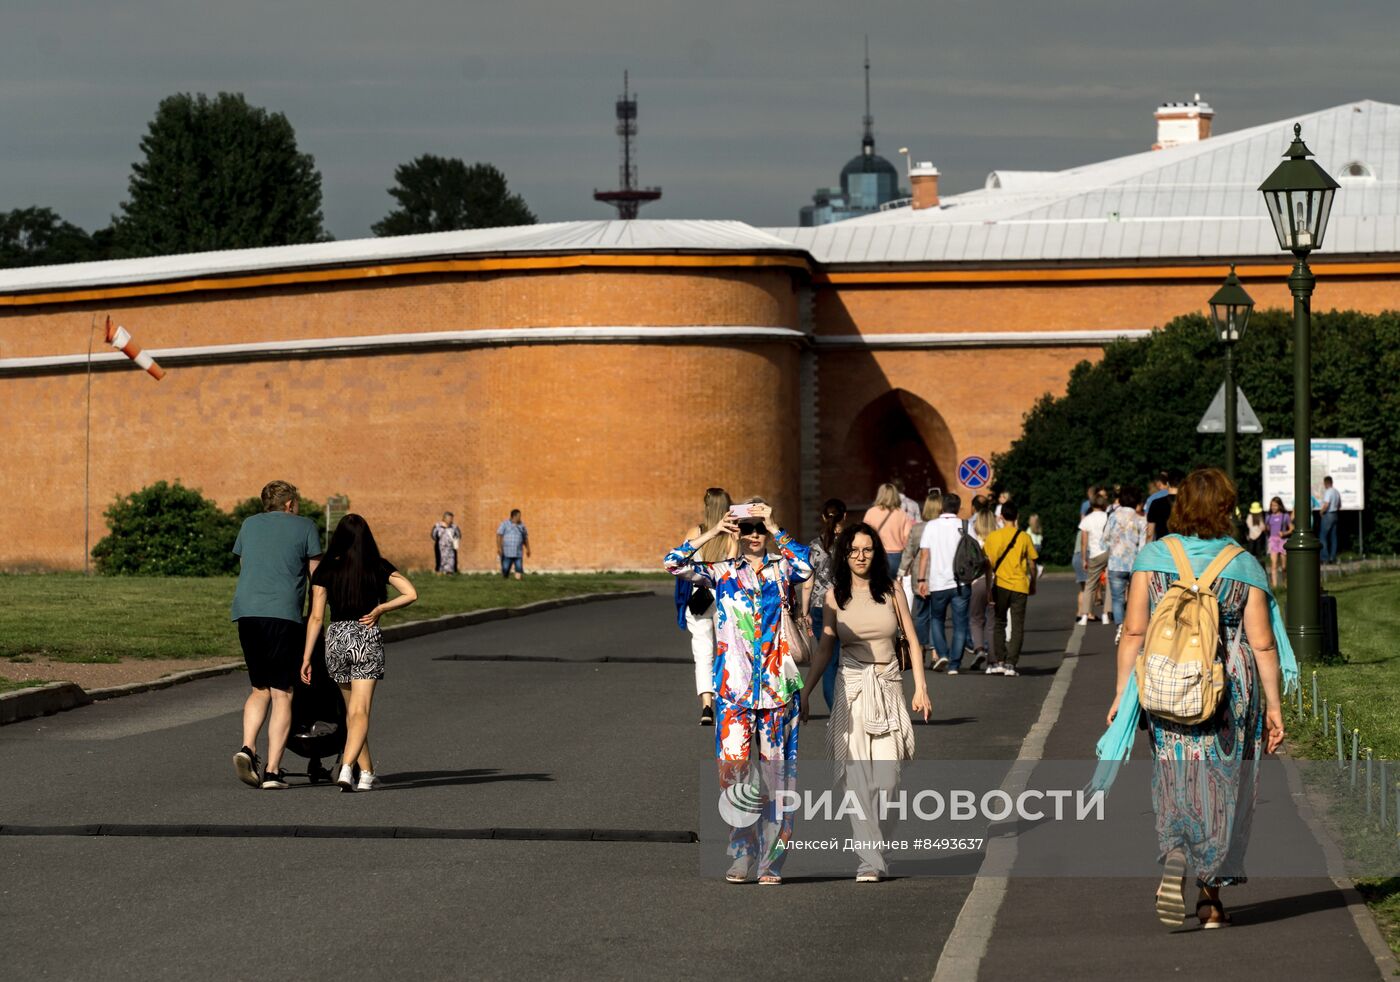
(871, 163)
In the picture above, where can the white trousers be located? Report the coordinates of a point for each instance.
(702, 648)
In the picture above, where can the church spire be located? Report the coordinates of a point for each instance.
(867, 140)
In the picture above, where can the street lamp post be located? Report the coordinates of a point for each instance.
(1229, 309)
(1299, 198)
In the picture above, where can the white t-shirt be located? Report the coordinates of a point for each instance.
(1094, 524)
(940, 538)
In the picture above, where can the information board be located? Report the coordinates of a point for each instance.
(1341, 459)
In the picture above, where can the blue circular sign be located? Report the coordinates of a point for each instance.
(974, 473)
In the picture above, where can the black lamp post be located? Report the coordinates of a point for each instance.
(1299, 198)
(1229, 309)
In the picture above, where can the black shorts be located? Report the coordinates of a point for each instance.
(272, 651)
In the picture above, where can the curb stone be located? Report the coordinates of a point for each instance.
(56, 697)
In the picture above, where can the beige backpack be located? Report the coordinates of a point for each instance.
(1178, 676)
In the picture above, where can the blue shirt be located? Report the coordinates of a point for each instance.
(275, 548)
(1332, 498)
(513, 536)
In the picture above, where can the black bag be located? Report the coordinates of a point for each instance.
(969, 561)
(701, 600)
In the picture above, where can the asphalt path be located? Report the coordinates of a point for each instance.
(473, 735)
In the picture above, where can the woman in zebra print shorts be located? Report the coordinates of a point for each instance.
(353, 579)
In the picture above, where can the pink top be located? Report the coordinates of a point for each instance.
(894, 532)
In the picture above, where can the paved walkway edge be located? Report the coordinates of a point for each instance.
(967, 944)
(57, 697)
(1366, 926)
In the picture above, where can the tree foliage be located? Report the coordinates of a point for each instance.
(306, 508)
(440, 194)
(1135, 412)
(166, 530)
(218, 174)
(39, 237)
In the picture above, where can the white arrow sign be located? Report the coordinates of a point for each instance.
(1214, 419)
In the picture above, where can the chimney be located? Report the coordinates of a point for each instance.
(923, 181)
(1183, 122)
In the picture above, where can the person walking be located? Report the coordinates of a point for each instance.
(1206, 779)
(513, 544)
(1331, 512)
(869, 732)
(1076, 560)
(938, 583)
(814, 590)
(1012, 573)
(1257, 533)
(1033, 530)
(909, 558)
(353, 581)
(277, 550)
(695, 602)
(1280, 523)
(758, 684)
(1091, 528)
(891, 523)
(1160, 511)
(1125, 532)
(447, 541)
(981, 604)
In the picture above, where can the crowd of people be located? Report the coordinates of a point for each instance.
(872, 597)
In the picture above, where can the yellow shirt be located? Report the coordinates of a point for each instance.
(1013, 573)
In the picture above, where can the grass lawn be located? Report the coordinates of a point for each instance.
(1367, 685)
(69, 617)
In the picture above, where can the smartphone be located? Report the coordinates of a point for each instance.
(741, 511)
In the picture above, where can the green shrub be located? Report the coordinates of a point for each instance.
(306, 507)
(166, 530)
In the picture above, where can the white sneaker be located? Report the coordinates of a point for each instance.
(939, 664)
(952, 671)
(1084, 618)
(992, 670)
(1008, 670)
(368, 782)
(1106, 619)
(345, 780)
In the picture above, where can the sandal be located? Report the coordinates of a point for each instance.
(769, 880)
(1212, 923)
(1171, 892)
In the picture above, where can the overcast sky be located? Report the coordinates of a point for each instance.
(745, 106)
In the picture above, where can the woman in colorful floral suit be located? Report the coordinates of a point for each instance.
(757, 683)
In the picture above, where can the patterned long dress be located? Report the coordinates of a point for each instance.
(1206, 777)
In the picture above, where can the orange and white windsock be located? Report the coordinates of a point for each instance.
(119, 338)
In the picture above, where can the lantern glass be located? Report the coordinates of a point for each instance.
(1298, 195)
(1230, 308)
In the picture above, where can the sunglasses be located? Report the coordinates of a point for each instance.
(752, 528)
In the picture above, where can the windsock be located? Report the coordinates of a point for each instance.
(118, 338)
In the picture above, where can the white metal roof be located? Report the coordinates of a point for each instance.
(604, 236)
(1197, 200)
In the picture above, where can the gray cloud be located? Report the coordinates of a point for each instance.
(745, 108)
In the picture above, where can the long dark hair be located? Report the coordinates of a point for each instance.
(832, 514)
(881, 583)
(354, 569)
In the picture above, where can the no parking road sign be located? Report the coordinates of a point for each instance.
(974, 473)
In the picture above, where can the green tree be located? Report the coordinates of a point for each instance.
(218, 174)
(1135, 412)
(306, 507)
(166, 530)
(39, 237)
(439, 194)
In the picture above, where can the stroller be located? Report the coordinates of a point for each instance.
(318, 718)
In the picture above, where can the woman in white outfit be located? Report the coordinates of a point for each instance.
(696, 603)
(869, 732)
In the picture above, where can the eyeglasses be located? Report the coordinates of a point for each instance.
(862, 553)
(752, 528)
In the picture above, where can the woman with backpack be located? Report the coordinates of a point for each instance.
(352, 579)
(891, 524)
(1199, 607)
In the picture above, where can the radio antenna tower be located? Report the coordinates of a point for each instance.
(629, 196)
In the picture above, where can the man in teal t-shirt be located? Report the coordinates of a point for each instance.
(278, 551)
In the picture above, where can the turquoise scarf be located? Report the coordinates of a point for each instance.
(1116, 743)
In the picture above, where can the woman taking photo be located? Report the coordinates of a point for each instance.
(814, 590)
(352, 579)
(869, 732)
(890, 523)
(757, 677)
(1204, 786)
(695, 602)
